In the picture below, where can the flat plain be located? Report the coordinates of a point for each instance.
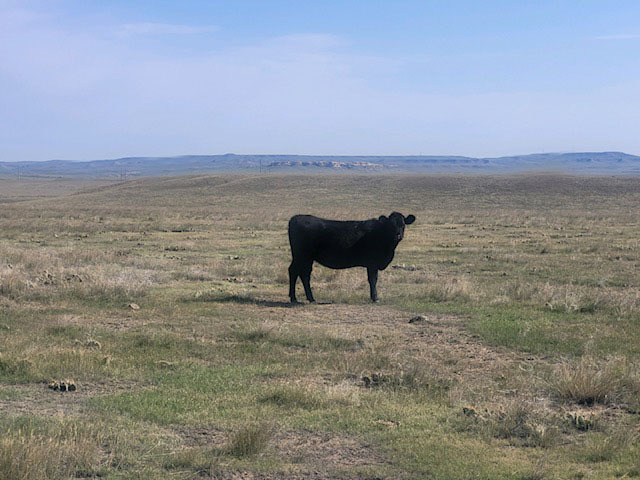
(506, 343)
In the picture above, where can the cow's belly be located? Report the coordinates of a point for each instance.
(337, 261)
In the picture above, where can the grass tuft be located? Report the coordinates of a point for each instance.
(250, 440)
(518, 422)
(410, 376)
(589, 382)
(449, 289)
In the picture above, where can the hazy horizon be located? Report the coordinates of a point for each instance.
(186, 155)
(88, 80)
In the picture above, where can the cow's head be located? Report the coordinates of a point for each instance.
(396, 223)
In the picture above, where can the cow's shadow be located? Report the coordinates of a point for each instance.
(249, 300)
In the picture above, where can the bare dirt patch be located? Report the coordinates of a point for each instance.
(200, 436)
(297, 446)
(313, 454)
(37, 398)
(126, 321)
(289, 476)
(322, 449)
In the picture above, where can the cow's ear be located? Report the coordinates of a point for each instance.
(382, 218)
(409, 220)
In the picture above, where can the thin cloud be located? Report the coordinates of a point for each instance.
(149, 28)
(74, 91)
(620, 36)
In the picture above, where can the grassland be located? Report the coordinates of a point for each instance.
(165, 301)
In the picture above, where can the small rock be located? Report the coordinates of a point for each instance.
(388, 423)
(469, 411)
(375, 380)
(165, 364)
(417, 319)
(408, 268)
(73, 277)
(134, 306)
(48, 278)
(234, 257)
(63, 385)
(91, 343)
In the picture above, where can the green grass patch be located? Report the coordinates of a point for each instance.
(15, 370)
(291, 397)
(188, 395)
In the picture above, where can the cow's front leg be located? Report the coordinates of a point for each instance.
(372, 275)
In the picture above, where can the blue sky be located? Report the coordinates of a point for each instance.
(105, 79)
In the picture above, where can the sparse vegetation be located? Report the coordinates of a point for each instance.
(171, 318)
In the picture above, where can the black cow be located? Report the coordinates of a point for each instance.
(342, 244)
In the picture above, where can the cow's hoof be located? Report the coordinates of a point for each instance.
(294, 302)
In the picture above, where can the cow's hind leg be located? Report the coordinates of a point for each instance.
(372, 276)
(294, 273)
(305, 276)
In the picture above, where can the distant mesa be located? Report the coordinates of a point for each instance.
(578, 163)
(325, 164)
